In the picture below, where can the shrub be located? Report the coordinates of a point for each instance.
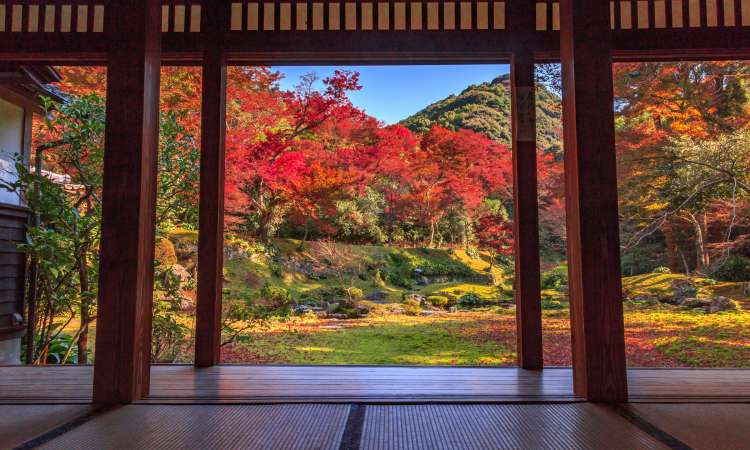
(397, 279)
(438, 301)
(275, 269)
(165, 253)
(556, 278)
(274, 297)
(355, 293)
(378, 279)
(471, 299)
(734, 268)
(505, 262)
(551, 304)
(662, 269)
(412, 306)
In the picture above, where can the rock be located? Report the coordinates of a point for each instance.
(182, 273)
(338, 316)
(377, 296)
(418, 297)
(683, 288)
(720, 303)
(331, 307)
(187, 304)
(692, 302)
(301, 309)
(646, 299)
(710, 305)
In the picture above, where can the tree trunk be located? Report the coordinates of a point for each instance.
(31, 320)
(700, 247)
(673, 261)
(432, 233)
(703, 222)
(83, 338)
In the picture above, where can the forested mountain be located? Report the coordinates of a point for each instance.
(485, 108)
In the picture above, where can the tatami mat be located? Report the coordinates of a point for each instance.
(210, 427)
(456, 427)
(701, 426)
(21, 423)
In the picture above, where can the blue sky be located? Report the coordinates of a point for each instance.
(392, 93)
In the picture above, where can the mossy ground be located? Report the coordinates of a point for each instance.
(668, 338)
(656, 335)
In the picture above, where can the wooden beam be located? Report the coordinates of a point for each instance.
(211, 221)
(526, 215)
(591, 202)
(123, 335)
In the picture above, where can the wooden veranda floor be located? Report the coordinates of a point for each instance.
(374, 407)
(370, 384)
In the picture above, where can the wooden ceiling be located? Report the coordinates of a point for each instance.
(377, 31)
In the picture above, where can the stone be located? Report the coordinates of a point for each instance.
(180, 271)
(683, 288)
(692, 302)
(418, 297)
(338, 316)
(720, 303)
(377, 296)
(709, 305)
(647, 299)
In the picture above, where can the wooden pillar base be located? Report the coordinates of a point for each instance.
(591, 202)
(211, 220)
(123, 335)
(526, 217)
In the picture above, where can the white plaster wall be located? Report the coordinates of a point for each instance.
(10, 352)
(11, 144)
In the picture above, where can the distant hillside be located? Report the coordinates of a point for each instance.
(485, 108)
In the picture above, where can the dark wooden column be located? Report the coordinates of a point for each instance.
(591, 202)
(123, 335)
(211, 222)
(526, 214)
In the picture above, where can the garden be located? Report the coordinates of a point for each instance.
(349, 240)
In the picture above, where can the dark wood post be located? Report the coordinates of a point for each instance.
(526, 214)
(591, 202)
(211, 222)
(123, 338)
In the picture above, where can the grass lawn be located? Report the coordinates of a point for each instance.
(654, 338)
(450, 339)
(656, 335)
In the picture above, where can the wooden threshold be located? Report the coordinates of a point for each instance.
(238, 384)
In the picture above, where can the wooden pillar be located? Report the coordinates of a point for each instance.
(211, 221)
(123, 335)
(526, 214)
(591, 202)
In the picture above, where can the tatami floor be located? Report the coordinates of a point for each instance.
(367, 407)
(379, 426)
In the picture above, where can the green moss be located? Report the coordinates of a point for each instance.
(391, 340)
